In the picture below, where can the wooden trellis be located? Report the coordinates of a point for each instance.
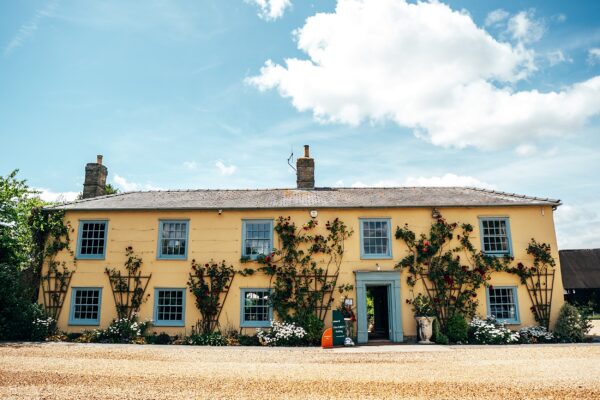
(443, 310)
(55, 285)
(206, 324)
(540, 286)
(128, 291)
(324, 284)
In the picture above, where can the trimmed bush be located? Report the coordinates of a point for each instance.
(437, 336)
(206, 339)
(571, 326)
(247, 340)
(161, 338)
(313, 327)
(457, 329)
(535, 334)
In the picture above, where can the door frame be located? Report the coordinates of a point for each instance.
(390, 279)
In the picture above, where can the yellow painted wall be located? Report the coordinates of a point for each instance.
(218, 237)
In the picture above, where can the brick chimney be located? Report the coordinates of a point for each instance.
(305, 170)
(95, 179)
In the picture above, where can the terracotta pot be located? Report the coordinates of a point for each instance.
(425, 329)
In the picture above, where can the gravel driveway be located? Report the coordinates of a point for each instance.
(88, 371)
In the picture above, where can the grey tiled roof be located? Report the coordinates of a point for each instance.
(302, 198)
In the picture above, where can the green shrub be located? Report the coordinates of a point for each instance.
(16, 311)
(161, 338)
(490, 331)
(571, 326)
(123, 330)
(313, 327)
(247, 340)
(42, 326)
(437, 336)
(457, 329)
(205, 339)
(73, 336)
(282, 334)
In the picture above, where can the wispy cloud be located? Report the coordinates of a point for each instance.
(594, 56)
(191, 165)
(28, 29)
(270, 10)
(224, 169)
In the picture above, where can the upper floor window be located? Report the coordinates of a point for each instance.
(85, 306)
(172, 239)
(502, 304)
(169, 307)
(256, 310)
(257, 237)
(92, 239)
(375, 238)
(495, 236)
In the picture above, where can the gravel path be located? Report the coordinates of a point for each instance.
(77, 371)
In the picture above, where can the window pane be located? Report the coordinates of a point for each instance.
(375, 237)
(92, 238)
(173, 238)
(169, 305)
(257, 238)
(256, 306)
(502, 303)
(86, 306)
(495, 236)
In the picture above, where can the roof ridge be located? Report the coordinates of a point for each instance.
(521, 196)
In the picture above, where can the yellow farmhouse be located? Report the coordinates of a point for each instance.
(169, 229)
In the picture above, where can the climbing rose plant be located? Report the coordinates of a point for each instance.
(305, 269)
(449, 266)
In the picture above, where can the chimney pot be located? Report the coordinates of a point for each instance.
(99, 159)
(305, 171)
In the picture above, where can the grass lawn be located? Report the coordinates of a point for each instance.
(93, 371)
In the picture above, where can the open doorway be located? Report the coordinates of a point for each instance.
(378, 312)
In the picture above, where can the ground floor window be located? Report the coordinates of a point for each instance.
(169, 307)
(256, 310)
(502, 304)
(85, 306)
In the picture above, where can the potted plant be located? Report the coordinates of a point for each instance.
(424, 314)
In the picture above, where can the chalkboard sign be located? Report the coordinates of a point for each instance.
(339, 328)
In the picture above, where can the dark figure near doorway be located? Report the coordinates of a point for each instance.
(379, 326)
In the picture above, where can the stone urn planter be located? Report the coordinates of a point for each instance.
(425, 329)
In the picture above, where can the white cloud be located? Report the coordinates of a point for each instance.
(426, 67)
(127, 186)
(224, 169)
(526, 150)
(525, 28)
(27, 30)
(495, 17)
(270, 10)
(594, 55)
(59, 197)
(445, 180)
(578, 226)
(191, 165)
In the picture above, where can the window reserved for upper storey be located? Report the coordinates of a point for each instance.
(169, 307)
(502, 304)
(375, 238)
(85, 306)
(173, 239)
(257, 238)
(495, 236)
(92, 239)
(256, 310)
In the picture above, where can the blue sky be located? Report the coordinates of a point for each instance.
(181, 94)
